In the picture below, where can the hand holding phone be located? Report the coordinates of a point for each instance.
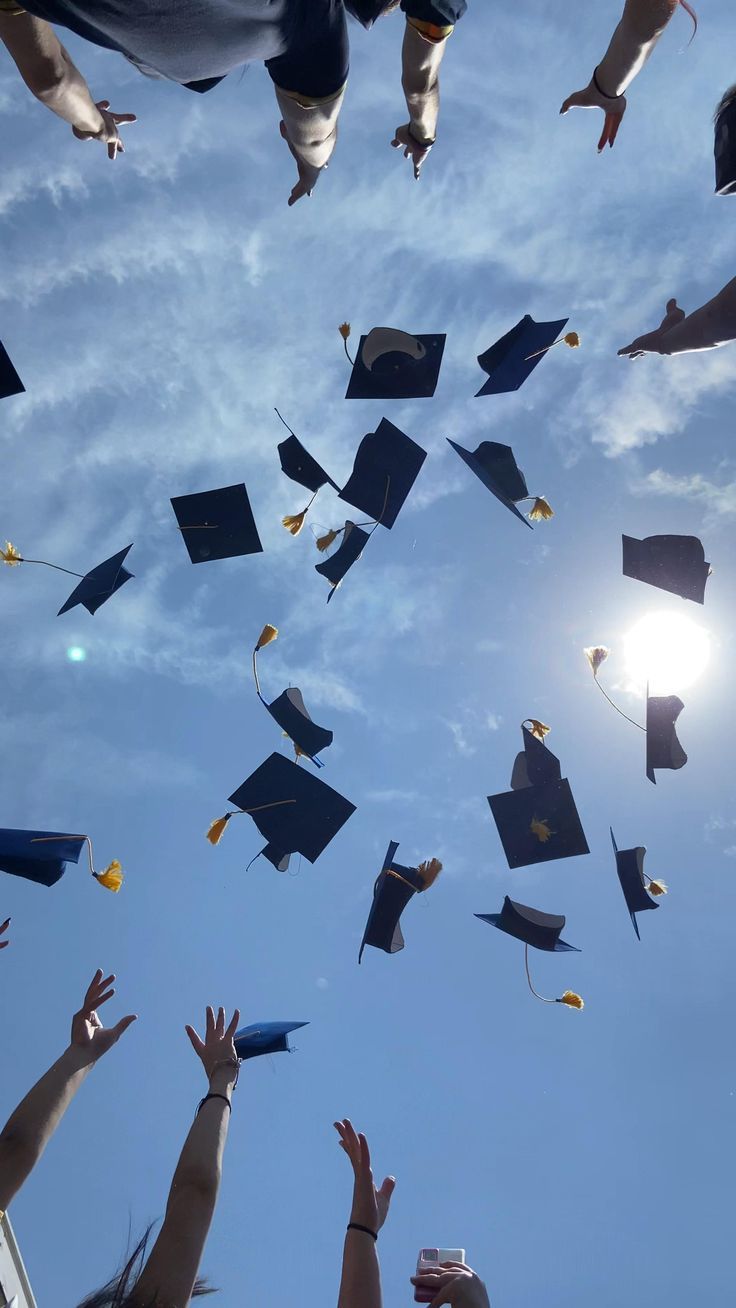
(429, 1260)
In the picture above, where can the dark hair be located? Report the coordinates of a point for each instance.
(726, 99)
(119, 1292)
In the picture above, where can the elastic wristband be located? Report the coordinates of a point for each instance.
(355, 1226)
(599, 88)
(224, 1098)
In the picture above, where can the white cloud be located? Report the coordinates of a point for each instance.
(719, 499)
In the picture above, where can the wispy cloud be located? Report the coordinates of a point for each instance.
(719, 499)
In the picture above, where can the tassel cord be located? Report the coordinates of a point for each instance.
(255, 675)
(529, 980)
(345, 343)
(383, 510)
(44, 564)
(616, 707)
(288, 428)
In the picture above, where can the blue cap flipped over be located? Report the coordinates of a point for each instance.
(630, 868)
(99, 584)
(494, 464)
(265, 1038)
(532, 927)
(508, 362)
(39, 856)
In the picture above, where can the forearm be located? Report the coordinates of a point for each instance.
(70, 98)
(642, 23)
(706, 328)
(200, 1161)
(420, 66)
(360, 1284)
(311, 128)
(29, 1129)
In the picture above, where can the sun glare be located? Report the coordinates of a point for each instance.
(667, 651)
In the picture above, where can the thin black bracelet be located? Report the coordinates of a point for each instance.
(355, 1226)
(202, 1102)
(599, 88)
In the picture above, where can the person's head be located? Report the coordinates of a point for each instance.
(119, 1292)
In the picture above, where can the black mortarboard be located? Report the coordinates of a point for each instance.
(299, 465)
(217, 524)
(394, 887)
(392, 365)
(540, 930)
(673, 563)
(290, 712)
(265, 1038)
(630, 868)
(725, 150)
(42, 856)
(663, 748)
(292, 809)
(496, 467)
(10, 382)
(99, 584)
(386, 466)
(508, 362)
(537, 819)
(351, 547)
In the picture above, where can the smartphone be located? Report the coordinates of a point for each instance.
(429, 1261)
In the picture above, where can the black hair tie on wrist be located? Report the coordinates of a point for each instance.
(356, 1226)
(202, 1102)
(599, 88)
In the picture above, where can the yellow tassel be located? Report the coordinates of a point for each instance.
(268, 634)
(10, 555)
(112, 877)
(540, 510)
(657, 888)
(572, 339)
(324, 542)
(539, 828)
(294, 522)
(538, 729)
(344, 330)
(217, 828)
(429, 872)
(596, 654)
(571, 999)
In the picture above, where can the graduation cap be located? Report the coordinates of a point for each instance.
(725, 149)
(300, 466)
(538, 930)
(335, 566)
(289, 710)
(663, 748)
(292, 809)
(515, 356)
(394, 887)
(265, 1038)
(386, 465)
(10, 382)
(42, 856)
(537, 819)
(217, 524)
(393, 365)
(494, 464)
(94, 587)
(673, 563)
(634, 881)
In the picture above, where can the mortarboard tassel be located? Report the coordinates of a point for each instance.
(323, 542)
(344, 330)
(540, 829)
(112, 877)
(597, 654)
(540, 510)
(217, 829)
(538, 729)
(571, 338)
(429, 872)
(268, 634)
(567, 997)
(294, 521)
(10, 555)
(657, 887)
(571, 999)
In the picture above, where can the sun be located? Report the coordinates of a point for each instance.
(666, 651)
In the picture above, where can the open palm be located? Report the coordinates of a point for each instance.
(370, 1206)
(88, 1033)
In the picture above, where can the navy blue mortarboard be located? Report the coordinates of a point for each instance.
(725, 149)
(634, 882)
(537, 819)
(289, 710)
(99, 584)
(299, 465)
(10, 382)
(334, 568)
(536, 930)
(663, 748)
(292, 809)
(394, 887)
(672, 563)
(42, 856)
(265, 1038)
(386, 466)
(494, 464)
(392, 365)
(515, 356)
(217, 524)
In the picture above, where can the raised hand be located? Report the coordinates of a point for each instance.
(217, 1050)
(88, 1033)
(308, 173)
(413, 149)
(108, 132)
(613, 106)
(4, 943)
(651, 342)
(455, 1284)
(370, 1206)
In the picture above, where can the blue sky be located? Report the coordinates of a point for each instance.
(157, 310)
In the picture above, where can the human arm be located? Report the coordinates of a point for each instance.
(455, 1284)
(170, 1272)
(29, 1129)
(360, 1282)
(420, 66)
(706, 328)
(50, 74)
(310, 131)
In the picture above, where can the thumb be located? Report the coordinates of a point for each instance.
(123, 1025)
(387, 1188)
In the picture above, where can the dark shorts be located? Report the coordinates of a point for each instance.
(318, 61)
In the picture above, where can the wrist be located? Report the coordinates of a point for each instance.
(223, 1078)
(420, 137)
(78, 1058)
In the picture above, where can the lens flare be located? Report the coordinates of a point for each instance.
(76, 654)
(666, 651)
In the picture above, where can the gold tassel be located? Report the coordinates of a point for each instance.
(294, 522)
(217, 829)
(540, 510)
(112, 877)
(268, 634)
(539, 828)
(429, 872)
(596, 654)
(571, 999)
(10, 555)
(657, 888)
(324, 542)
(572, 339)
(344, 330)
(538, 729)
